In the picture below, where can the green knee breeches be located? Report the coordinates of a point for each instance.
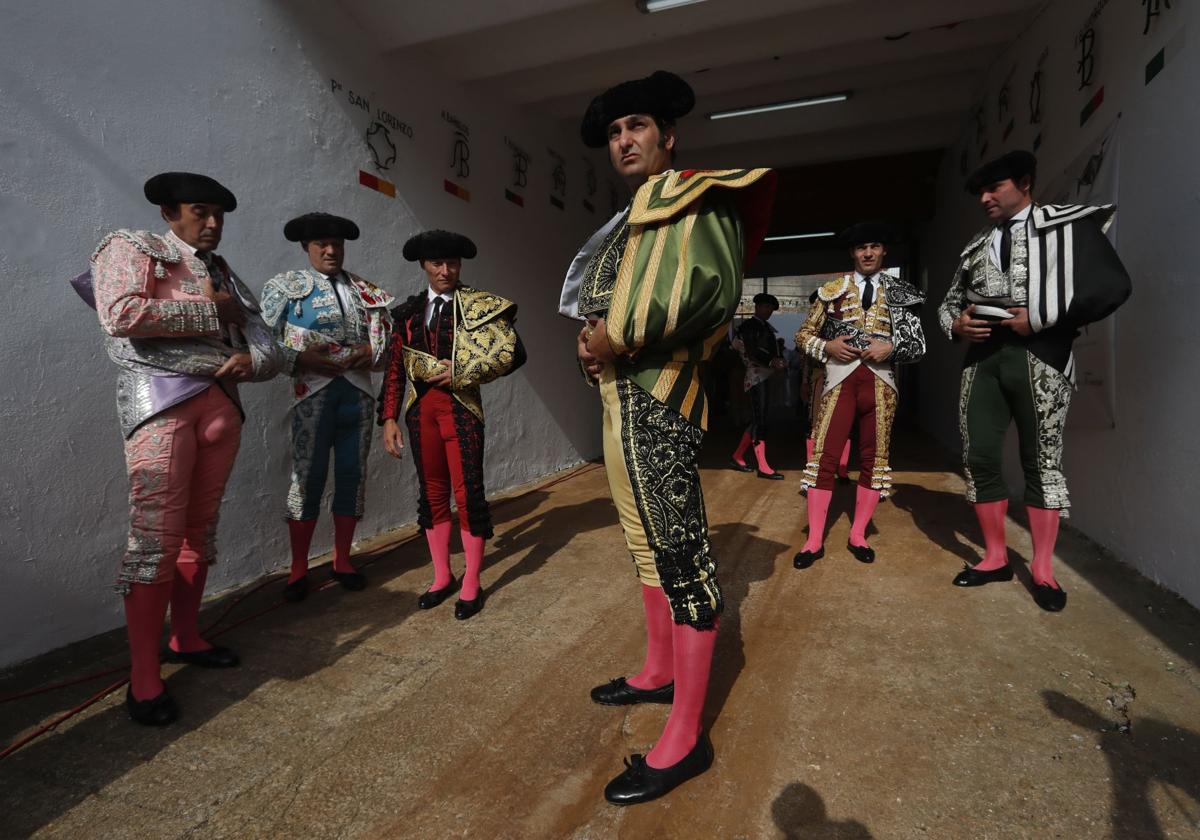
(1013, 385)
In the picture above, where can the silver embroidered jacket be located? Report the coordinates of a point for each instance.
(1063, 269)
(162, 331)
(302, 308)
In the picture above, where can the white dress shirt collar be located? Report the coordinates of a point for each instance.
(1017, 218)
(1022, 214)
(430, 297)
(182, 245)
(860, 282)
(343, 290)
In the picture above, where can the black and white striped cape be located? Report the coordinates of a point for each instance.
(1075, 275)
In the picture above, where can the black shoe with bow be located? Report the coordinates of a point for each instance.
(620, 693)
(773, 476)
(642, 783)
(862, 553)
(804, 559)
(465, 609)
(1049, 598)
(430, 598)
(214, 657)
(743, 467)
(157, 711)
(973, 577)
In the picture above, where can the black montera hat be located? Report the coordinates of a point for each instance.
(438, 245)
(661, 94)
(867, 232)
(168, 188)
(312, 226)
(769, 299)
(1015, 165)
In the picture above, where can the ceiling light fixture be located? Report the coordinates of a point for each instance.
(648, 6)
(822, 235)
(781, 106)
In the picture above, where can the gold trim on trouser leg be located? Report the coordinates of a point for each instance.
(824, 415)
(618, 482)
(886, 401)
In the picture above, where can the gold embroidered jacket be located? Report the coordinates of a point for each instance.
(484, 346)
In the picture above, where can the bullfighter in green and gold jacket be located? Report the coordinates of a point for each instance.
(658, 286)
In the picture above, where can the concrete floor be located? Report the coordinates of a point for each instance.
(848, 701)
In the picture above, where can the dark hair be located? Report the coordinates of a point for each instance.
(664, 124)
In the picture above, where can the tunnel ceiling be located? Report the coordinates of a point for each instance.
(912, 68)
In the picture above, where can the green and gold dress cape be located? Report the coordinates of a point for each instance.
(691, 235)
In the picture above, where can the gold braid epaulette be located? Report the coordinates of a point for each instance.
(667, 195)
(479, 307)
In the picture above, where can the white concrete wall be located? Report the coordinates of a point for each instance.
(94, 97)
(1133, 487)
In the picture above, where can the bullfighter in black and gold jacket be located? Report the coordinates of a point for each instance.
(448, 340)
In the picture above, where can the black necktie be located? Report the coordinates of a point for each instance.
(1006, 245)
(868, 295)
(210, 263)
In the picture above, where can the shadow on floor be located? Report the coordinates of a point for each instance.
(543, 536)
(938, 514)
(799, 812)
(946, 518)
(1152, 753)
(291, 643)
(742, 559)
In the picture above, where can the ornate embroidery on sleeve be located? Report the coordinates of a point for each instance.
(908, 336)
(808, 336)
(955, 301)
(122, 277)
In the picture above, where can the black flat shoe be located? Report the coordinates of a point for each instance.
(215, 657)
(157, 711)
(430, 598)
(296, 591)
(641, 783)
(465, 609)
(740, 467)
(804, 559)
(773, 476)
(620, 693)
(354, 581)
(862, 553)
(1049, 598)
(972, 577)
